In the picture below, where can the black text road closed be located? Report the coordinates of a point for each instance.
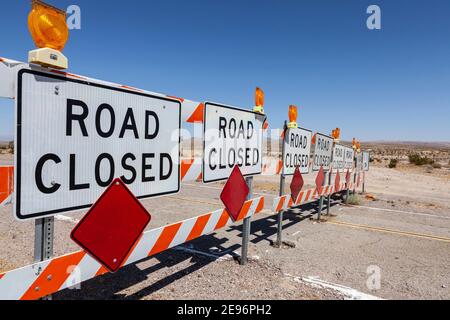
(232, 137)
(322, 152)
(349, 158)
(297, 150)
(75, 137)
(338, 157)
(342, 158)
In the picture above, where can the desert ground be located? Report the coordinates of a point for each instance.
(398, 231)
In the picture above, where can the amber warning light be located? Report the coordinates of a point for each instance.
(48, 28)
(336, 134)
(259, 101)
(293, 114)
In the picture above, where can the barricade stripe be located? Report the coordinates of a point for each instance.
(280, 204)
(244, 210)
(212, 222)
(299, 198)
(183, 232)
(290, 203)
(52, 277)
(176, 98)
(308, 194)
(199, 226)
(131, 251)
(260, 205)
(191, 169)
(186, 164)
(15, 283)
(86, 269)
(101, 271)
(147, 242)
(165, 239)
(223, 220)
(197, 116)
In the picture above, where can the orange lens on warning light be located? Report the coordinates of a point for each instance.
(259, 97)
(293, 113)
(336, 134)
(48, 26)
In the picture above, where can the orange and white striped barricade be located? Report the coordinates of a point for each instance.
(47, 277)
(285, 202)
(6, 184)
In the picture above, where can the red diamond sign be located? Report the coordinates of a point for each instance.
(320, 179)
(347, 178)
(235, 193)
(112, 226)
(337, 181)
(296, 184)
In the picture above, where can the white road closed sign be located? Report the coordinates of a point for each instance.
(359, 161)
(322, 152)
(339, 157)
(232, 137)
(349, 158)
(366, 160)
(297, 151)
(75, 137)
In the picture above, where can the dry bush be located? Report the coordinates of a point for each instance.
(393, 163)
(354, 200)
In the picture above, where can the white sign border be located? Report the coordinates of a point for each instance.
(204, 142)
(18, 139)
(331, 162)
(309, 164)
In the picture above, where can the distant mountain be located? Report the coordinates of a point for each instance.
(418, 144)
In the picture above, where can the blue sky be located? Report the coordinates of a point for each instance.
(388, 84)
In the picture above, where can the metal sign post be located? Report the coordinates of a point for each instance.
(329, 195)
(365, 168)
(321, 198)
(246, 226)
(280, 214)
(43, 241)
(282, 183)
(329, 180)
(347, 195)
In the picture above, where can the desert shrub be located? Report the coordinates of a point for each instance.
(437, 165)
(420, 161)
(354, 200)
(393, 163)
